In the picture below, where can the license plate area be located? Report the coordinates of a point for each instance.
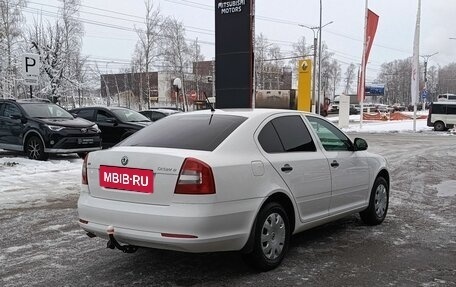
(125, 178)
(85, 141)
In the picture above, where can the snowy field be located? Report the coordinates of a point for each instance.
(28, 183)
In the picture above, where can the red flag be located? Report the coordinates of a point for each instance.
(371, 29)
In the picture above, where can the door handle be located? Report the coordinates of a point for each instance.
(286, 168)
(334, 163)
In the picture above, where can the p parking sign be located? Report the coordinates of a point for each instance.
(31, 69)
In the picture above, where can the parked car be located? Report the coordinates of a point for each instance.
(230, 180)
(39, 128)
(383, 108)
(156, 114)
(115, 123)
(174, 108)
(442, 115)
(354, 109)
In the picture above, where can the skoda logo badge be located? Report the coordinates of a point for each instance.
(83, 130)
(124, 160)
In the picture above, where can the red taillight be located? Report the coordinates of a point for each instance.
(195, 177)
(84, 170)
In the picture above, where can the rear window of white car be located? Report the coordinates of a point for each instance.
(196, 132)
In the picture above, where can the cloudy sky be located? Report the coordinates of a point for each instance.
(110, 37)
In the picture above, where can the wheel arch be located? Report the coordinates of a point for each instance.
(30, 133)
(436, 123)
(286, 202)
(385, 174)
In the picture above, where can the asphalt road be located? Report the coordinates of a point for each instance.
(415, 246)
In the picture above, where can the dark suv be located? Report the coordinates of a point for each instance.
(115, 123)
(40, 128)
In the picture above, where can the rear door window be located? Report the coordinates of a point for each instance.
(86, 114)
(104, 116)
(197, 132)
(286, 134)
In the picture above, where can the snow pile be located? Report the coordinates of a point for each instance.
(25, 182)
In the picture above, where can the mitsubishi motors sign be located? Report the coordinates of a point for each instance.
(227, 7)
(234, 53)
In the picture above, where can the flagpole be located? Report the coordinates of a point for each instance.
(415, 82)
(363, 69)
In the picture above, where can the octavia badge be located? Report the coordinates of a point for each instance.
(124, 160)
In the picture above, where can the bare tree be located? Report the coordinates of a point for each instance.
(274, 66)
(326, 60)
(396, 76)
(72, 32)
(447, 79)
(261, 50)
(349, 78)
(176, 53)
(432, 82)
(147, 49)
(11, 20)
(196, 57)
(48, 41)
(300, 51)
(335, 71)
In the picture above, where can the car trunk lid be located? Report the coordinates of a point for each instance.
(135, 174)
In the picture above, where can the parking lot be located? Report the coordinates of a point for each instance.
(42, 244)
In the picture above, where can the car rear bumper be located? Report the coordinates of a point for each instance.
(70, 150)
(215, 227)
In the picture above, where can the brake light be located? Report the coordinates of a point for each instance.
(195, 177)
(84, 171)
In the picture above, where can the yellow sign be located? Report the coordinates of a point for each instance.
(304, 85)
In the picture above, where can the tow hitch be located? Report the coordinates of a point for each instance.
(113, 243)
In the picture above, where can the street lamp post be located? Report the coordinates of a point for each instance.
(426, 59)
(314, 61)
(316, 34)
(319, 61)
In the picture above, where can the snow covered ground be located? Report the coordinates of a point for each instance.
(27, 183)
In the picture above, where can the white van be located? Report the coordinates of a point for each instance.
(442, 115)
(446, 97)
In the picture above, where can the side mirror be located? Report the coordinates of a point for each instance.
(74, 115)
(111, 121)
(360, 144)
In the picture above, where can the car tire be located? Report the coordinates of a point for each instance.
(271, 238)
(439, 126)
(34, 148)
(375, 213)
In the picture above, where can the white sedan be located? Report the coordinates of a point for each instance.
(230, 180)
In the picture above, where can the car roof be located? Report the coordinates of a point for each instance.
(444, 103)
(102, 107)
(248, 113)
(166, 111)
(27, 101)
